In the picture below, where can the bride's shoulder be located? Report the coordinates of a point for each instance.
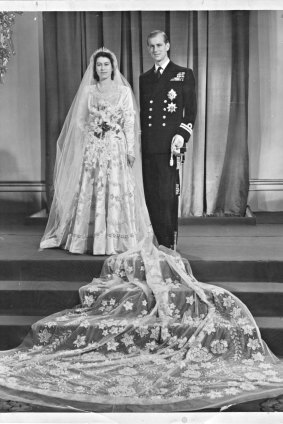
(89, 88)
(124, 90)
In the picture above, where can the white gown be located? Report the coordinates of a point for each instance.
(103, 215)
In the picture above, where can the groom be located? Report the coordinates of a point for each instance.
(168, 112)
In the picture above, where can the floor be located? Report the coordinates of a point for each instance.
(263, 241)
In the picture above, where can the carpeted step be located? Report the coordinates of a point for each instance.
(262, 299)
(237, 270)
(13, 329)
(271, 329)
(60, 269)
(47, 297)
(38, 297)
(67, 267)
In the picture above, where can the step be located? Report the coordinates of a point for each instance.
(38, 297)
(214, 256)
(47, 297)
(264, 299)
(71, 268)
(271, 329)
(85, 268)
(13, 329)
(258, 271)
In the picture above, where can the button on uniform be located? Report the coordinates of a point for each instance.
(164, 125)
(150, 125)
(151, 101)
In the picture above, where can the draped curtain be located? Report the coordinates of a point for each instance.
(215, 177)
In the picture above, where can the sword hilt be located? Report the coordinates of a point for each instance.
(175, 240)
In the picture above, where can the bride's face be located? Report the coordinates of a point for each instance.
(103, 68)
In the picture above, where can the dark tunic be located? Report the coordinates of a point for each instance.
(168, 107)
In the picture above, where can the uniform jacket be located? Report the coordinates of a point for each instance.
(168, 107)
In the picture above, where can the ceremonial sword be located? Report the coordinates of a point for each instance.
(180, 159)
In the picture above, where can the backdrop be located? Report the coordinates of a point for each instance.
(215, 45)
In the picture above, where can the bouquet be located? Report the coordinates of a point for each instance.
(102, 119)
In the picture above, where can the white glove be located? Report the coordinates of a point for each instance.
(177, 143)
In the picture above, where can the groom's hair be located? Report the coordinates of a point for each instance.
(102, 54)
(157, 32)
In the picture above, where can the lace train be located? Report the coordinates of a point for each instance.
(147, 337)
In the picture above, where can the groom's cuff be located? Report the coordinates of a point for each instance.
(185, 130)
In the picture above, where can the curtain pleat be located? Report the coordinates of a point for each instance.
(126, 62)
(234, 181)
(215, 174)
(193, 181)
(218, 91)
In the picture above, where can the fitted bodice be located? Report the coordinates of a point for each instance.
(111, 100)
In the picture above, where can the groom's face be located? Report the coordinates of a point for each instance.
(158, 48)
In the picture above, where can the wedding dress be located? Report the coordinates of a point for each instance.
(103, 219)
(98, 205)
(147, 336)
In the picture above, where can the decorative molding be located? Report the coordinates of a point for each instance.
(266, 185)
(26, 186)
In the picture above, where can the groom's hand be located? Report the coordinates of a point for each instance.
(131, 160)
(177, 143)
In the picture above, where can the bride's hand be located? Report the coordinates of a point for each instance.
(130, 160)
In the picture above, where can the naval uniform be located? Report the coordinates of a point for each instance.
(168, 107)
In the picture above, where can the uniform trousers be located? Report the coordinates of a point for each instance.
(160, 180)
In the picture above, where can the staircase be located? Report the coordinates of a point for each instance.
(32, 288)
(246, 260)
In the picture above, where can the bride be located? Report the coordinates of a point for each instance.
(98, 205)
(147, 335)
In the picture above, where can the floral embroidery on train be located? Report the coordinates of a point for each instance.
(119, 343)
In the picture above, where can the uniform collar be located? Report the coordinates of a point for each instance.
(163, 66)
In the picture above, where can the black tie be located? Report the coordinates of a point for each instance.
(158, 72)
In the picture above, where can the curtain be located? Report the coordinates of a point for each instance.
(215, 177)
(266, 106)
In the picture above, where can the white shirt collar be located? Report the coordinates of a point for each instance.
(163, 66)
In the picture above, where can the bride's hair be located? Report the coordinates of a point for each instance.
(102, 54)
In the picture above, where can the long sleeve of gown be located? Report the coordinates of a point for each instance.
(129, 121)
